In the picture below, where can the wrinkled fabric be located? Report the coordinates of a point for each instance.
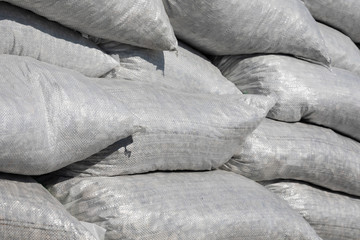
(186, 70)
(248, 26)
(332, 215)
(304, 91)
(342, 15)
(198, 205)
(139, 22)
(24, 33)
(28, 211)
(182, 131)
(51, 117)
(279, 150)
(342, 51)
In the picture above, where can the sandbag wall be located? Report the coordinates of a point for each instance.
(179, 119)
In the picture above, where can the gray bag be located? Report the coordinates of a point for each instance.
(51, 117)
(186, 70)
(138, 22)
(28, 211)
(24, 33)
(183, 131)
(304, 91)
(332, 215)
(343, 15)
(248, 26)
(278, 150)
(343, 52)
(199, 205)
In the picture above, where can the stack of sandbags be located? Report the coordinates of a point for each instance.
(53, 116)
(184, 131)
(136, 151)
(313, 131)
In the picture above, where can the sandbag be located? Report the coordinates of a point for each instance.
(51, 117)
(247, 27)
(332, 215)
(24, 33)
(342, 15)
(198, 205)
(182, 131)
(28, 211)
(342, 51)
(279, 150)
(140, 22)
(187, 70)
(304, 91)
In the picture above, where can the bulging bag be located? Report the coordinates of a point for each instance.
(279, 150)
(28, 211)
(304, 91)
(139, 22)
(182, 131)
(333, 216)
(197, 205)
(342, 51)
(51, 117)
(342, 15)
(24, 33)
(186, 70)
(247, 27)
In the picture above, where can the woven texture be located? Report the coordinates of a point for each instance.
(333, 216)
(183, 131)
(247, 26)
(51, 117)
(186, 70)
(304, 91)
(278, 150)
(24, 33)
(139, 22)
(28, 211)
(205, 205)
(342, 15)
(342, 51)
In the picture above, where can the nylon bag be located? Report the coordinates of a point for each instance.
(197, 205)
(247, 27)
(24, 33)
(28, 211)
(342, 15)
(333, 216)
(140, 22)
(182, 131)
(186, 70)
(51, 117)
(343, 52)
(304, 91)
(279, 150)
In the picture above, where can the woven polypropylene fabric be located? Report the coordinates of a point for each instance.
(342, 50)
(51, 117)
(279, 150)
(342, 15)
(187, 70)
(333, 216)
(139, 22)
(198, 205)
(183, 131)
(304, 91)
(28, 211)
(247, 26)
(24, 33)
